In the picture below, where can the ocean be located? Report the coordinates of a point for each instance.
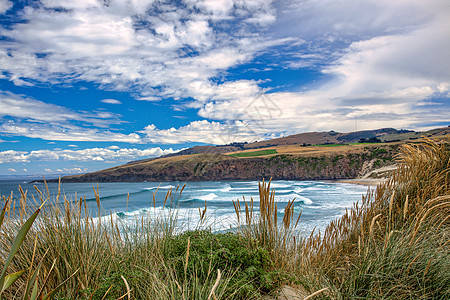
(319, 202)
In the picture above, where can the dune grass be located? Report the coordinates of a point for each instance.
(392, 245)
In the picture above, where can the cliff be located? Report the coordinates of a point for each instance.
(311, 164)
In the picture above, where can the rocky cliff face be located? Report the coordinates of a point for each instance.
(216, 167)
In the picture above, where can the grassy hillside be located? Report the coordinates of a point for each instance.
(314, 138)
(254, 153)
(392, 245)
(332, 137)
(335, 156)
(290, 162)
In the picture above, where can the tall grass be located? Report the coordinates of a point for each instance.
(392, 245)
(146, 259)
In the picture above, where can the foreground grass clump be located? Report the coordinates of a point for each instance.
(392, 245)
(144, 260)
(251, 263)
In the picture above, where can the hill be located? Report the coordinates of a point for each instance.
(313, 138)
(334, 156)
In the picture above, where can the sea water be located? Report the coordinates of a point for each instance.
(318, 202)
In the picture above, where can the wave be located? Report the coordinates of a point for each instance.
(298, 190)
(280, 185)
(227, 188)
(124, 195)
(164, 187)
(207, 197)
(192, 201)
(303, 199)
(244, 190)
(224, 189)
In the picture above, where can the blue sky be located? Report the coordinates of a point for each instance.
(89, 84)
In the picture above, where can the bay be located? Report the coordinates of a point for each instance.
(319, 202)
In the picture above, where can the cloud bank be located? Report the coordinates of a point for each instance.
(92, 154)
(385, 63)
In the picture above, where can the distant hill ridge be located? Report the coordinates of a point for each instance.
(306, 156)
(311, 138)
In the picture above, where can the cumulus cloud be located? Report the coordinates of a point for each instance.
(12, 170)
(384, 63)
(5, 5)
(205, 132)
(387, 78)
(155, 49)
(91, 154)
(110, 45)
(63, 171)
(111, 101)
(74, 170)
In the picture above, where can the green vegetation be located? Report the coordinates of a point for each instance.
(393, 245)
(255, 153)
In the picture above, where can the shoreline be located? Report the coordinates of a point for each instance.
(363, 181)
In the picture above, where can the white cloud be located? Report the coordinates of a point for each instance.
(70, 4)
(73, 146)
(27, 108)
(380, 81)
(383, 60)
(5, 5)
(149, 98)
(330, 21)
(177, 51)
(216, 7)
(111, 101)
(36, 119)
(48, 170)
(108, 44)
(96, 154)
(25, 170)
(12, 170)
(75, 170)
(66, 132)
(205, 132)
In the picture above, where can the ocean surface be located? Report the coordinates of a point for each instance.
(319, 202)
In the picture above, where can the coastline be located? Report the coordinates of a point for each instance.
(363, 181)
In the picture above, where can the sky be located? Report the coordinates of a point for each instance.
(89, 84)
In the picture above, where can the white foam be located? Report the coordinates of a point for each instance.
(165, 187)
(280, 185)
(298, 198)
(298, 190)
(305, 200)
(227, 188)
(207, 197)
